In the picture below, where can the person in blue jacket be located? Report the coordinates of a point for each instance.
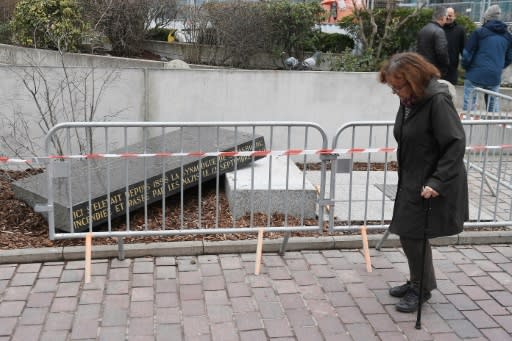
(487, 52)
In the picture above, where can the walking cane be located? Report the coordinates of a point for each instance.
(424, 252)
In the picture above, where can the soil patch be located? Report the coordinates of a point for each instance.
(21, 227)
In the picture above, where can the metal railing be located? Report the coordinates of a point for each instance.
(370, 185)
(487, 105)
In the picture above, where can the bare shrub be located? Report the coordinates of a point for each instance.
(242, 28)
(125, 23)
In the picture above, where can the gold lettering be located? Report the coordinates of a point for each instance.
(114, 199)
(99, 215)
(208, 162)
(227, 164)
(78, 224)
(173, 185)
(99, 205)
(78, 213)
(136, 200)
(119, 208)
(191, 169)
(191, 179)
(157, 192)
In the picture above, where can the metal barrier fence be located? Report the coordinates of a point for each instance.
(475, 9)
(96, 176)
(488, 105)
(168, 182)
(370, 184)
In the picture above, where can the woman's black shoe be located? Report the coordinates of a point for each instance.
(400, 290)
(409, 303)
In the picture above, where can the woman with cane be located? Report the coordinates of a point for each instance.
(432, 195)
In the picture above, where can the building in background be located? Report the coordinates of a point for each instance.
(474, 9)
(336, 9)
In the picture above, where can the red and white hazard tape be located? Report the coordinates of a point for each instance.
(257, 153)
(467, 117)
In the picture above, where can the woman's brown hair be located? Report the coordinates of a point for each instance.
(411, 67)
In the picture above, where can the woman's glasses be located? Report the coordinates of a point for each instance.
(396, 89)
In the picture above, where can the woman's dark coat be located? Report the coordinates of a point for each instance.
(431, 147)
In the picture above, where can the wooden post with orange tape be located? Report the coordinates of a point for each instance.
(259, 251)
(88, 256)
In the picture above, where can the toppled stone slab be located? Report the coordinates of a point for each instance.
(107, 188)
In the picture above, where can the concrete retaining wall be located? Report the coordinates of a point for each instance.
(148, 94)
(194, 53)
(151, 93)
(15, 55)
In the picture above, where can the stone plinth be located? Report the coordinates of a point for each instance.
(248, 189)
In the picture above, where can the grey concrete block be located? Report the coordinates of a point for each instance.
(185, 248)
(47, 254)
(182, 248)
(98, 251)
(230, 246)
(310, 243)
(274, 183)
(355, 241)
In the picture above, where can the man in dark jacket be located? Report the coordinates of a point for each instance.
(487, 52)
(432, 43)
(456, 38)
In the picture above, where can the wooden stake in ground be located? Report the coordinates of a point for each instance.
(259, 250)
(88, 253)
(366, 250)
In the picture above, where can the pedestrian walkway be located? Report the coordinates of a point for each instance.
(308, 295)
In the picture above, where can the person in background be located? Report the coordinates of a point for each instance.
(487, 52)
(432, 43)
(432, 194)
(456, 37)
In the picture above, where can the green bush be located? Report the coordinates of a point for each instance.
(5, 33)
(245, 28)
(54, 24)
(467, 23)
(292, 24)
(348, 61)
(400, 38)
(242, 29)
(334, 42)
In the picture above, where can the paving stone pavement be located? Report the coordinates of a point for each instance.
(308, 295)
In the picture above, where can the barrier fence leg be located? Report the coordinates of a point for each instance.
(120, 248)
(282, 249)
(382, 240)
